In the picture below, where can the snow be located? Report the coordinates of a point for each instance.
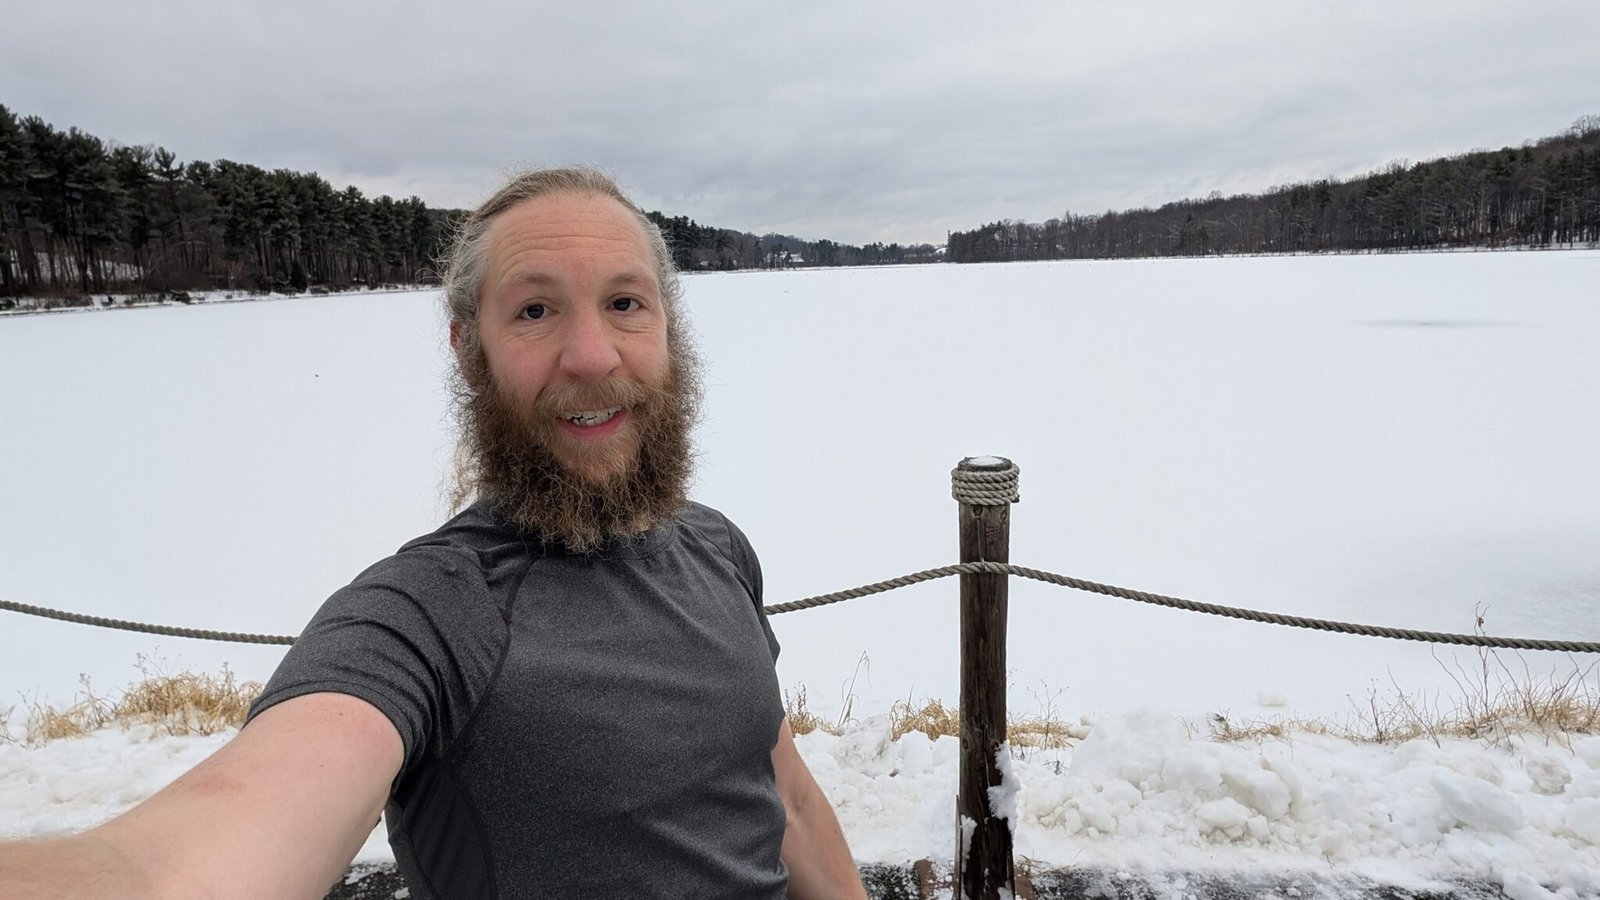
(74, 784)
(1275, 433)
(1138, 793)
(867, 746)
(1180, 803)
(31, 306)
(1003, 796)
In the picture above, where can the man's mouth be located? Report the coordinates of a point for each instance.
(593, 418)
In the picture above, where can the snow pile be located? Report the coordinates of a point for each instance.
(73, 784)
(76, 783)
(1137, 794)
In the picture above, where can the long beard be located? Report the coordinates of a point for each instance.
(631, 484)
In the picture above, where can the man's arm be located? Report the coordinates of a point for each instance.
(277, 812)
(814, 850)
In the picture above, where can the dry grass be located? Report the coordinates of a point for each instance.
(1504, 709)
(187, 703)
(6, 737)
(934, 719)
(1219, 727)
(1493, 703)
(1496, 709)
(801, 719)
(1044, 730)
(178, 704)
(87, 713)
(1496, 700)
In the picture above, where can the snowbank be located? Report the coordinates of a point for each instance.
(1138, 795)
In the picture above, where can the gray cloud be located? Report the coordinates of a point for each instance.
(858, 122)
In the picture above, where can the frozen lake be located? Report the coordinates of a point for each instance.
(1395, 440)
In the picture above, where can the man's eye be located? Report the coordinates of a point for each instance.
(533, 311)
(624, 304)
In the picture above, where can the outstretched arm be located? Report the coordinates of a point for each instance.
(277, 812)
(814, 849)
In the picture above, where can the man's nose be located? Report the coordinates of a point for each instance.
(589, 352)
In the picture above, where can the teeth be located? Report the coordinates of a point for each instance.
(591, 419)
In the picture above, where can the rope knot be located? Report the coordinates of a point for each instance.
(985, 481)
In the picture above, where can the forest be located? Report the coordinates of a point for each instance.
(1545, 193)
(81, 216)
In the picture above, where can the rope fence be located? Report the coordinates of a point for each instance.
(903, 581)
(984, 488)
(202, 634)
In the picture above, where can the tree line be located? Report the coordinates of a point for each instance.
(702, 247)
(80, 215)
(1544, 193)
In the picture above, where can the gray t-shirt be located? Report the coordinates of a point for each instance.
(574, 725)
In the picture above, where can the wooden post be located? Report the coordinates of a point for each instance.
(985, 487)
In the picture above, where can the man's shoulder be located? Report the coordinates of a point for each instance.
(711, 524)
(472, 541)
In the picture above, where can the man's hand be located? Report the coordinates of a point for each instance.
(814, 849)
(277, 812)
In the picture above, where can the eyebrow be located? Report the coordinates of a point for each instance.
(624, 279)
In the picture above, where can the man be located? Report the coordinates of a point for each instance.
(567, 690)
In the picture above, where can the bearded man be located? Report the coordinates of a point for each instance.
(566, 690)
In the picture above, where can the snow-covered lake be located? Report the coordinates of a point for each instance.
(1393, 439)
(1396, 440)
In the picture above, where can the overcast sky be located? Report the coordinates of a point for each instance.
(853, 121)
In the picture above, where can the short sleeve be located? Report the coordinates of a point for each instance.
(750, 567)
(417, 636)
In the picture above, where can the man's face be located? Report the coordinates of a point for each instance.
(577, 409)
(573, 327)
